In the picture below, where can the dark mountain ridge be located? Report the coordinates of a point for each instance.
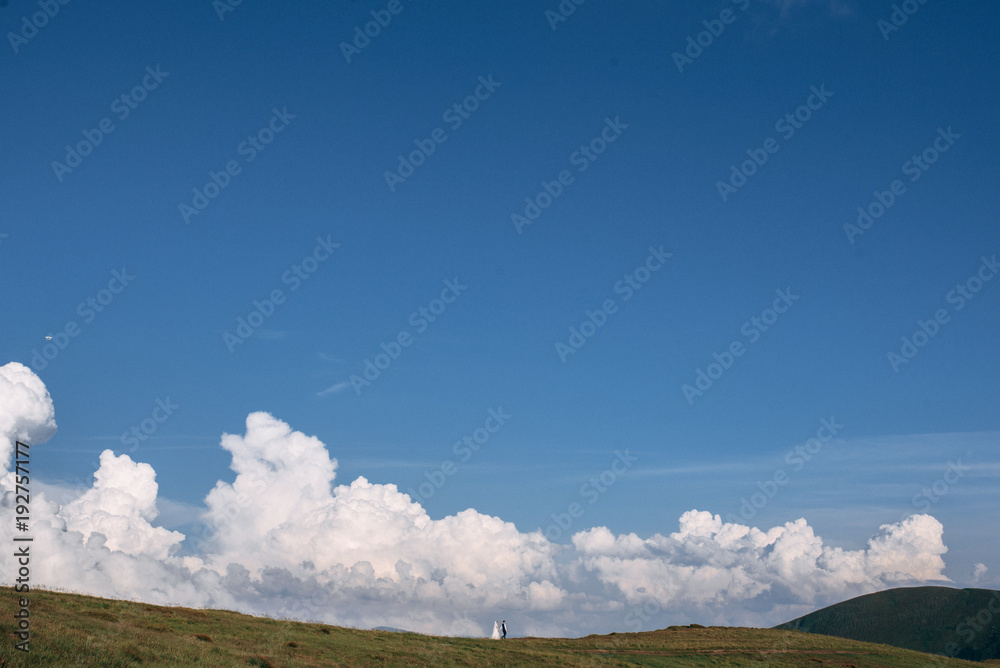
(961, 623)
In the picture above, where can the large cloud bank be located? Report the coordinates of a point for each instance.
(283, 540)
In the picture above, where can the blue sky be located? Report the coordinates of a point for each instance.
(328, 131)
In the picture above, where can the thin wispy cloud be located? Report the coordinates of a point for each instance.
(334, 389)
(725, 466)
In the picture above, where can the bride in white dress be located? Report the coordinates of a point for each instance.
(496, 632)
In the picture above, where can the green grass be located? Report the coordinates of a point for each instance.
(74, 630)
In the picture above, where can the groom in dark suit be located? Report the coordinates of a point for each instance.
(503, 629)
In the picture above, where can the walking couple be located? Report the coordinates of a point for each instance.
(497, 630)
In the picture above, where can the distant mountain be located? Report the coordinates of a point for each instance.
(962, 623)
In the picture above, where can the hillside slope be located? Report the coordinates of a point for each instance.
(69, 629)
(938, 620)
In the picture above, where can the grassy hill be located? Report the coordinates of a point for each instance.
(960, 622)
(73, 630)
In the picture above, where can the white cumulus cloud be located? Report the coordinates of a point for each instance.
(120, 506)
(284, 539)
(27, 413)
(711, 564)
(283, 511)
